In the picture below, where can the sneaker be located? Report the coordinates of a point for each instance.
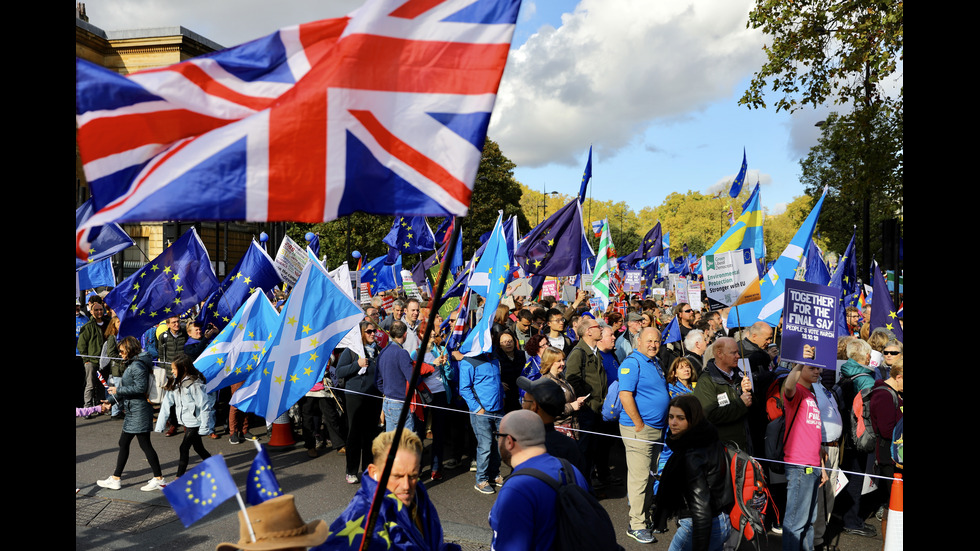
(776, 528)
(342, 451)
(214, 436)
(154, 484)
(499, 481)
(473, 466)
(484, 487)
(249, 436)
(352, 479)
(319, 443)
(236, 438)
(436, 475)
(110, 483)
(642, 536)
(880, 513)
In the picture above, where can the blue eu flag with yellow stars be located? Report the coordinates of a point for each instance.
(262, 484)
(200, 490)
(168, 286)
(409, 236)
(554, 247)
(254, 272)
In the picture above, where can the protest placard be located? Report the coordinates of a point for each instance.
(631, 282)
(550, 288)
(290, 260)
(809, 324)
(730, 278)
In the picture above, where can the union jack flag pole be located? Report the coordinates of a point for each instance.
(379, 492)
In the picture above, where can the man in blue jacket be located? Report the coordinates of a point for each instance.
(480, 387)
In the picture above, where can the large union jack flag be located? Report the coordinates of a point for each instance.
(382, 111)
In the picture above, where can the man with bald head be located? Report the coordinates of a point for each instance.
(524, 515)
(725, 394)
(643, 393)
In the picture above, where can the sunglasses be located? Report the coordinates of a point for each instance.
(891, 352)
(370, 331)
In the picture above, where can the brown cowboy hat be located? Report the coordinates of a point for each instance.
(277, 525)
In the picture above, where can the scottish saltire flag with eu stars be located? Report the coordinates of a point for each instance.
(201, 489)
(254, 272)
(383, 111)
(168, 286)
(261, 484)
(489, 279)
(236, 350)
(316, 316)
(554, 247)
(772, 286)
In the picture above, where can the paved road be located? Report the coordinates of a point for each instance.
(129, 518)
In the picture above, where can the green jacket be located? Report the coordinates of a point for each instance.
(91, 339)
(728, 414)
(584, 371)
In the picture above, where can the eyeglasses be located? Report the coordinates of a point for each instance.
(891, 352)
(497, 435)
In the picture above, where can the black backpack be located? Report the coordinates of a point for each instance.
(581, 523)
(844, 393)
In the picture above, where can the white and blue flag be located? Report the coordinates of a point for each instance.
(491, 275)
(315, 318)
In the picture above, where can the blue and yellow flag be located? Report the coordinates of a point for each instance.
(381, 275)
(201, 489)
(883, 311)
(746, 233)
(554, 247)
(254, 272)
(168, 286)
(261, 484)
(739, 179)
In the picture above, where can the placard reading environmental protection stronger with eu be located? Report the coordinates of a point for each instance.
(809, 324)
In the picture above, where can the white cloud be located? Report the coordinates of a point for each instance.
(528, 10)
(779, 208)
(613, 68)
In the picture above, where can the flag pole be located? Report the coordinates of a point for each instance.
(379, 492)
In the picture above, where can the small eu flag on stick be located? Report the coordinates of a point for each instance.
(201, 489)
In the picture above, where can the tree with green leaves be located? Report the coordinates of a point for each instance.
(843, 160)
(495, 189)
(827, 51)
(833, 52)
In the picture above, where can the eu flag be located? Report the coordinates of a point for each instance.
(554, 247)
(740, 179)
(381, 275)
(109, 240)
(586, 176)
(261, 484)
(168, 286)
(255, 271)
(672, 333)
(200, 490)
(883, 311)
(653, 243)
(490, 278)
(410, 235)
(234, 353)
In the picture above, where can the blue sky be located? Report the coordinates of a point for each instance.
(653, 85)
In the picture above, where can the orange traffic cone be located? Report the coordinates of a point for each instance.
(894, 538)
(282, 432)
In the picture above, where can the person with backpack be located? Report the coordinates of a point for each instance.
(695, 485)
(856, 375)
(887, 409)
(529, 513)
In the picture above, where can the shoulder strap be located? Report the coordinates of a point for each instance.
(535, 473)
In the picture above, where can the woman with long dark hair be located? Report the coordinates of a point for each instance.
(363, 400)
(695, 484)
(185, 392)
(132, 390)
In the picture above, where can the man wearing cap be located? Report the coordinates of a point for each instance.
(407, 518)
(624, 344)
(546, 398)
(524, 515)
